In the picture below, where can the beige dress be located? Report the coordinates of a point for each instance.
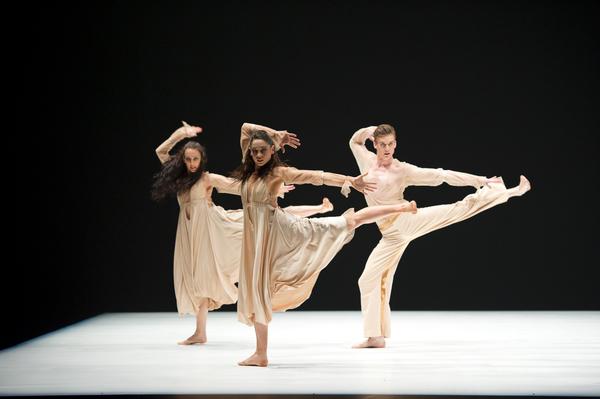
(282, 254)
(207, 244)
(207, 250)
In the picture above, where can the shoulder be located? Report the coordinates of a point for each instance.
(403, 164)
(281, 170)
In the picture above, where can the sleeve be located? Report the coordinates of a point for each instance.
(292, 175)
(416, 176)
(162, 151)
(224, 184)
(363, 156)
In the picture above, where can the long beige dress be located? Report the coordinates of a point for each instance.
(282, 254)
(207, 244)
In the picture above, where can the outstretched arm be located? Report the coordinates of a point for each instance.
(162, 151)
(292, 175)
(281, 138)
(434, 177)
(357, 144)
(224, 184)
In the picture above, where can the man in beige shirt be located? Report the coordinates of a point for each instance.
(392, 177)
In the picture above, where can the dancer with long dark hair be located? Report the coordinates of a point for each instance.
(209, 238)
(282, 254)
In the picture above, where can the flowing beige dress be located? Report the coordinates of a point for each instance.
(207, 243)
(207, 250)
(282, 254)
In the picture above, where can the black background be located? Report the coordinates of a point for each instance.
(481, 87)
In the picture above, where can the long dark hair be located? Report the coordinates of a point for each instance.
(174, 177)
(248, 167)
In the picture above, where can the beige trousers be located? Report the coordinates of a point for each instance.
(375, 283)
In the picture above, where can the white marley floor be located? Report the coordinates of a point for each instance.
(430, 353)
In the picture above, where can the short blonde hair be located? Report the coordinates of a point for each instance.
(384, 130)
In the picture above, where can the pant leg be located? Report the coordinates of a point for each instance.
(376, 280)
(375, 283)
(432, 218)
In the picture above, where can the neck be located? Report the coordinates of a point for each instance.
(385, 163)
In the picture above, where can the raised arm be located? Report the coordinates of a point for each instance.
(292, 175)
(162, 151)
(224, 184)
(363, 156)
(281, 138)
(416, 176)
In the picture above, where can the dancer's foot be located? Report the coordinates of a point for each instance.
(194, 339)
(524, 185)
(410, 207)
(371, 342)
(255, 360)
(326, 206)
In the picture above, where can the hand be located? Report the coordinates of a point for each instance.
(371, 131)
(190, 131)
(289, 139)
(363, 186)
(287, 188)
(284, 189)
(412, 207)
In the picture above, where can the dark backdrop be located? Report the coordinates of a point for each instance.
(481, 87)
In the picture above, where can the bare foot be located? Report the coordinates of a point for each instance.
(327, 206)
(194, 339)
(371, 342)
(524, 185)
(255, 360)
(411, 207)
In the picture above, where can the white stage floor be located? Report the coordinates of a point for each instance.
(430, 353)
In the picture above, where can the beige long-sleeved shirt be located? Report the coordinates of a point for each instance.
(393, 180)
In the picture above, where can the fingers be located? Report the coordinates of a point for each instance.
(191, 130)
(293, 141)
(370, 187)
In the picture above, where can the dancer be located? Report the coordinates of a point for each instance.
(208, 240)
(282, 255)
(393, 177)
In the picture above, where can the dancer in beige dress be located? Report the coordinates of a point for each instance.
(392, 177)
(282, 254)
(208, 240)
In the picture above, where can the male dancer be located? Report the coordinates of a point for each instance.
(392, 177)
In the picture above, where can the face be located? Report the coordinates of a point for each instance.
(261, 152)
(385, 147)
(192, 159)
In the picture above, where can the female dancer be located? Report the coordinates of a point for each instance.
(208, 241)
(282, 254)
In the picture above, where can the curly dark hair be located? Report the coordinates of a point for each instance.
(248, 167)
(174, 177)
